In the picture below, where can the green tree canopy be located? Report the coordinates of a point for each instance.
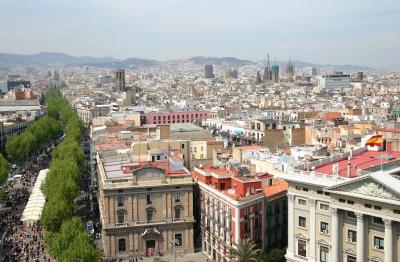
(66, 236)
(4, 169)
(275, 255)
(55, 212)
(72, 243)
(244, 251)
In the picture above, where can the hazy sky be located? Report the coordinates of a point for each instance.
(364, 32)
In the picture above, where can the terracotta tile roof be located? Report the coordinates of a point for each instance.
(392, 130)
(278, 186)
(250, 147)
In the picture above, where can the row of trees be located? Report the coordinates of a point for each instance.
(66, 236)
(4, 169)
(246, 251)
(33, 140)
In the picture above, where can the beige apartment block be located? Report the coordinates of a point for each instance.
(144, 206)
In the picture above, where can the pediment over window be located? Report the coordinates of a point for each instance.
(367, 187)
(149, 173)
(323, 242)
(301, 236)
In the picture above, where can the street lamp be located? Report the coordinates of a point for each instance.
(174, 243)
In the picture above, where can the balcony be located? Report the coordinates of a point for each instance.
(149, 222)
(178, 204)
(122, 224)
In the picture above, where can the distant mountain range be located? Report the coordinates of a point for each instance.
(65, 59)
(46, 58)
(227, 61)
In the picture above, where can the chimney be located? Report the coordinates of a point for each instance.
(348, 169)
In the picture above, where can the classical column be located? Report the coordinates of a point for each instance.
(135, 207)
(388, 242)
(290, 248)
(237, 225)
(335, 235)
(164, 201)
(190, 204)
(129, 209)
(360, 237)
(112, 210)
(313, 233)
(131, 248)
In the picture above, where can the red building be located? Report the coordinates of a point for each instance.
(172, 116)
(232, 203)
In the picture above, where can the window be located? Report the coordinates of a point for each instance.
(324, 206)
(342, 200)
(120, 201)
(377, 220)
(302, 201)
(302, 222)
(183, 146)
(351, 214)
(352, 236)
(367, 205)
(320, 192)
(323, 254)
(324, 227)
(305, 189)
(121, 245)
(177, 197)
(351, 258)
(256, 224)
(350, 202)
(121, 217)
(396, 211)
(178, 238)
(177, 213)
(377, 207)
(378, 243)
(149, 199)
(277, 208)
(149, 214)
(302, 248)
(246, 227)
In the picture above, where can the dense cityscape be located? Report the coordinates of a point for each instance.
(200, 158)
(188, 159)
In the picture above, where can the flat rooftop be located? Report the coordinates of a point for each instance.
(120, 167)
(365, 160)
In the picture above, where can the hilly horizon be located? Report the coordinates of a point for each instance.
(49, 58)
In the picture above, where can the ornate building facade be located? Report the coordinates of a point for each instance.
(344, 216)
(145, 207)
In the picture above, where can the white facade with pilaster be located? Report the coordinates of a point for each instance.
(338, 219)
